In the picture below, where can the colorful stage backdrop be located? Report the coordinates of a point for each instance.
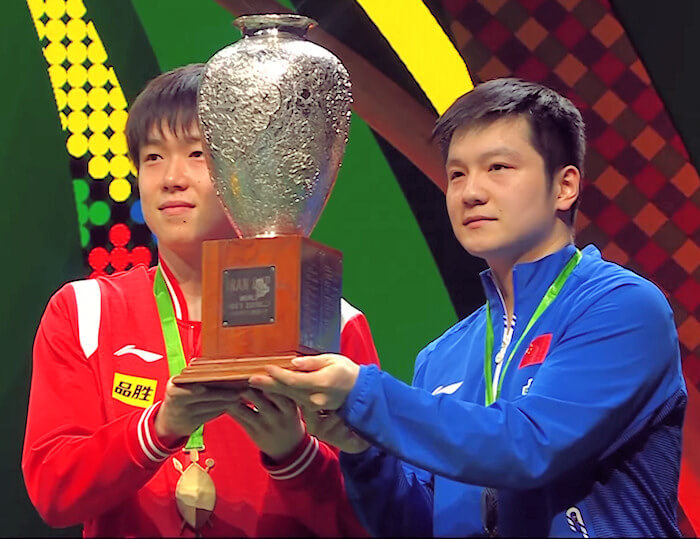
(72, 67)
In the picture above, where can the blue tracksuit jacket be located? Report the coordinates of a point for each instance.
(584, 440)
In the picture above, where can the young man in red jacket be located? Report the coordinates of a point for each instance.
(109, 436)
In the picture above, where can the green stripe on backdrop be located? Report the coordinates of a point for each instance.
(39, 237)
(389, 272)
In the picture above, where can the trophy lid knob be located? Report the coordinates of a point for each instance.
(255, 24)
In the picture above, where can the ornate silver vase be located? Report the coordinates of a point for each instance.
(274, 109)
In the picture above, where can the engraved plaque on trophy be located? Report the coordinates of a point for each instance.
(274, 110)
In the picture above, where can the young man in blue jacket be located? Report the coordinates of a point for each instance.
(553, 410)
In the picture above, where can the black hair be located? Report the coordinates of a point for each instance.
(171, 99)
(556, 125)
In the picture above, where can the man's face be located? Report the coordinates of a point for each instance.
(178, 200)
(498, 197)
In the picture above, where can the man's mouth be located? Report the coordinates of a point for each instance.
(175, 207)
(476, 220)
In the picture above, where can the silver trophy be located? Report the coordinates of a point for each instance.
(274, 110)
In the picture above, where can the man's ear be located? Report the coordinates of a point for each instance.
(566, 187)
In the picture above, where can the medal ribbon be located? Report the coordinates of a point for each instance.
(546, 301)
(173, 345)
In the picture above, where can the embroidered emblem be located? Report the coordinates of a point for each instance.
(148, 357)
(448, 389)
(195, 492)
(133, 390)
(537, 351)
(526, 387)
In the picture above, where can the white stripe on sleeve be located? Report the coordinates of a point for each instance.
(347, 313)
(303, 462)
(149, 439)
(88, 302)
(141, 429)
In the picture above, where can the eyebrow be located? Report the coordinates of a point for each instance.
(155, 140)
(499, 151)
(502, 150)
(152, 141)
(192, 138)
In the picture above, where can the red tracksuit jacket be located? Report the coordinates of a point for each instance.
(91, 454)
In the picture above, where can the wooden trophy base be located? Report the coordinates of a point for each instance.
(265, 301)
(229, 372)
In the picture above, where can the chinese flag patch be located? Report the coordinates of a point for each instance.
(537, 351)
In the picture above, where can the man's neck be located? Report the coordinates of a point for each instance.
(502, 268)
(186, 267)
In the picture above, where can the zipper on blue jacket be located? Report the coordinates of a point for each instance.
(505, 340)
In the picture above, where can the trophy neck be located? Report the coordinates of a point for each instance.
(254, 25)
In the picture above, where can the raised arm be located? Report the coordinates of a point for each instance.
(605, 379)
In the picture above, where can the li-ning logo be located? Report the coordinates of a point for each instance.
(449, 389)
(148, 357)
(575, 520)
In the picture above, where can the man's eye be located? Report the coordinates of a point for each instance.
(151, 157)
(499, 166)
(456, 174)
(197, 154)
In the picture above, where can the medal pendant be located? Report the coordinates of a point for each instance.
(195, 492)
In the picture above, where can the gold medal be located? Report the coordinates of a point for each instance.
(195, 492)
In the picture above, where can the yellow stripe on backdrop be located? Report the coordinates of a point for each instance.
(421, 44)
(89, 98)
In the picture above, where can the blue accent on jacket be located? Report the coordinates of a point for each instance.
(586, 443)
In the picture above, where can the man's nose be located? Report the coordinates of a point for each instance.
(473, 189)
(176, 175)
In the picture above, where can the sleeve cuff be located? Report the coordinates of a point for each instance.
(296, 463)
(147, 448)
(357, 399)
